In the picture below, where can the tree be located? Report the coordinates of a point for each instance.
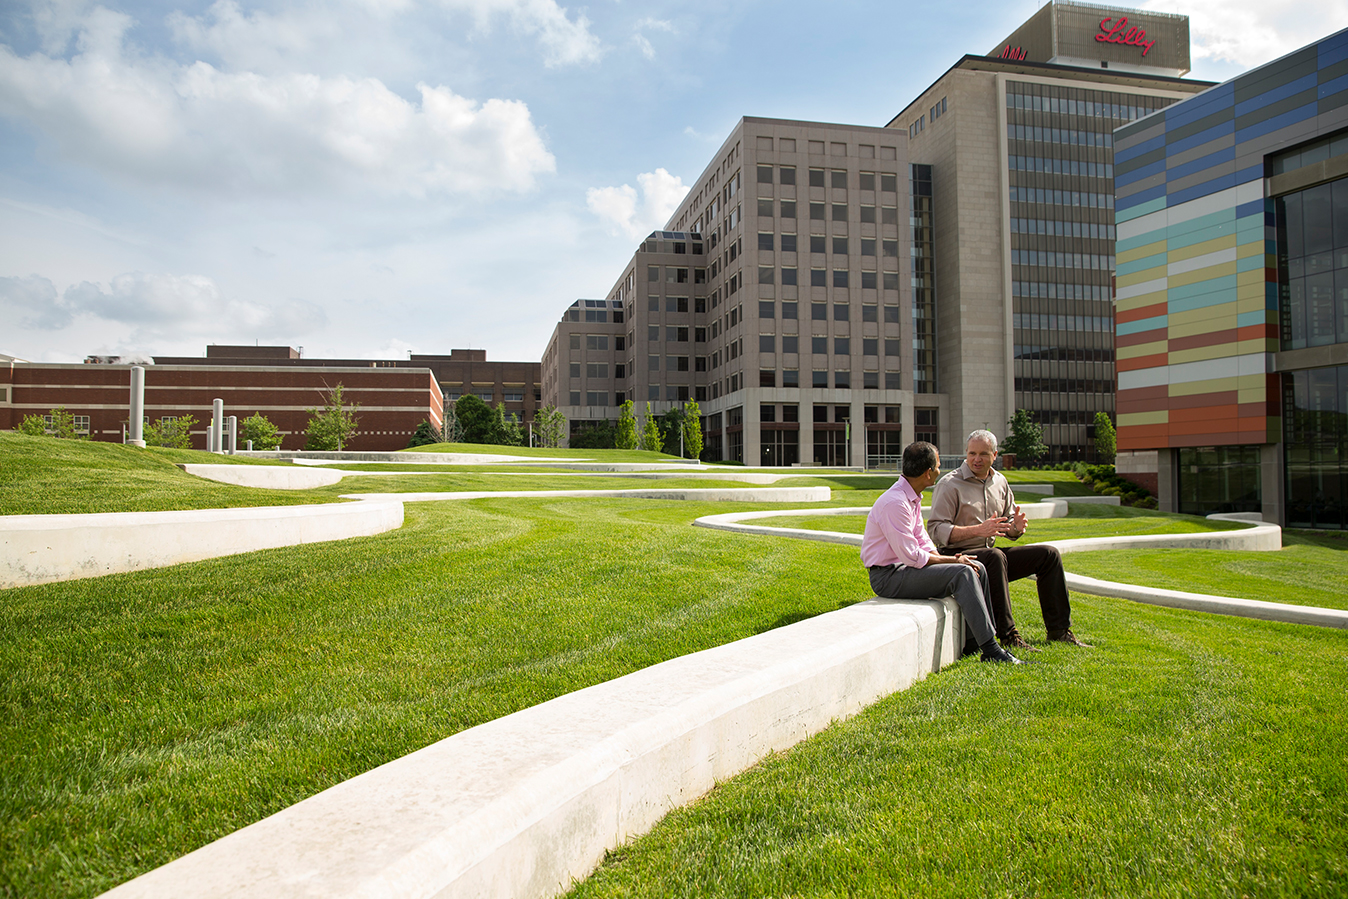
(1026, 439)
(62, 424)
(505, 431)
(671, 426)
(259, 429)
(1106, 440)
(332, 426)
(452, 432)
(175, 433)
(692, 430)
(651, 438)
(599, 435)
(626, 437)
(424, 435)
(33, 426)
(549, 426)
(475, 419)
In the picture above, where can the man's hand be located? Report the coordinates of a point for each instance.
(991, 527)
(1018, 523)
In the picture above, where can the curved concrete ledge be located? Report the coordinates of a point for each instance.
(305, 457)
(522, 805)
(274, 477)
(1202, 602)
(695, 494)
(39, 549)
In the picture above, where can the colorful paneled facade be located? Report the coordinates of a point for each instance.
(1198, 299)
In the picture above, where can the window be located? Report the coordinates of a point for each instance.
(840, 277)
(620, 343)
(890, 248)
(787, 174)
(821, 413)
(819, 345)
(765, 208)
(653, 392)
(574, 341)
(869, 313)
(889, 215)
(867, 246)
(790, 412)
(842, 379)
(789, 343)
(574, 370)
(840, 245)
(838, 179)
(652, 304)
(819, 312)
(596, 370)
(765, 174)
(889, 181)
(682, 335)
(652, 332)
(652, 363)
(700, 363)
(767, 378)
(868, 280)
(891, 347)
(868, 180)
(676, 275)
(767, 309)
(766, 274)
(620, 371)
(818, 243)
(788, 209)
(596, 399)
(868, 215)
(842, 346)
(892, 314)
(840, 212)
(891, 280)
(765, 241)
(575, 398)
(817, 212)
(767, 343)
(789, 276)
(789, 309)
(80, 423)
(652, 273)
(596, 341)
(699, 304)
(791, 378)
(816, 177)
(869, 344)
(699, 335)
(788, 243)
(870, 380)
(892, 381)
(767, 411)
(681, 363)
(820, 379)
(840, 312)
(818, 277)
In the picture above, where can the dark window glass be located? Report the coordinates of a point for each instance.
(789, 343)
(868, 345)
(819, 345)
(788, 209)
(821, 381)
(818, 277)
(867, 246)
(889, 182)
(767, 343)
(839, 179)
(789, 309)
(788, 276)
(840, 312)
(840, 245)
(868, 280)
(788, 243)
(840, 212)
(791, 378)
(767, 309)
(817, 243)
(868, 215)
(765, 174)
(817, 212)
(840, 277)
(819, 312)
(842, 346)
(816, 177)
(788, 174)
(869, 313)
(868, 180)
(765, 240)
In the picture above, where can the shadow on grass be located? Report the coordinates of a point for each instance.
(1324, 539)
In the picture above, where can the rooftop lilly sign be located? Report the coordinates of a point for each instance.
(1112, 31)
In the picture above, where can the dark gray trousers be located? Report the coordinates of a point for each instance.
(969, 587)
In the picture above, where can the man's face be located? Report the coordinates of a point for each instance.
(979, 457)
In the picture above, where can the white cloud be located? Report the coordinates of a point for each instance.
(564, 41)
(1251, 34)
(154, 306)
(643, 43)
(660, 195)
(156, 121)
(644, 46)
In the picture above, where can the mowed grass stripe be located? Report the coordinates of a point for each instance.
(146, 714)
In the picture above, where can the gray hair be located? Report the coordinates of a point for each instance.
(981, 434)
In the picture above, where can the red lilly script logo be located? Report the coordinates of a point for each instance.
(1011, 52)
(1115, 34)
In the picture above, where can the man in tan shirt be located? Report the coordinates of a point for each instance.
(970, 508)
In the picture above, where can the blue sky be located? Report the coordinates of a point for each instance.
(365, 178)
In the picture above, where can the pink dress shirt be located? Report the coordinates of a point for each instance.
(894, 532)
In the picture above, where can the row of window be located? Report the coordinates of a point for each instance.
(819, 311)
(678, 247)
(1053, 101)
(1053, 166)
(592, 315)
(1059, 228)
(674, 275)
(819, 244)
(1088, 261)
(1063, 353)
(835, 178)
(598, 342)
(1053, 290)
(820, 379)
(1063, 385)
(1069, 136)
(1043, 321)
(1050, 197)
(842, 346)
(819, 277)
(889, 215)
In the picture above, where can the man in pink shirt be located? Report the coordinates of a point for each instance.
(904, 564)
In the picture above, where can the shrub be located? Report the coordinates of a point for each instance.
(424, 435)
(626, 436)
(259, 429)
(333, 425)
(33, 426)
(174, 434)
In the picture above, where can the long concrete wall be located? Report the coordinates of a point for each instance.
(38, 549)
(274, 477)
(520, 806)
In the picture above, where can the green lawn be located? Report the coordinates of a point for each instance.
(1186, 755)
(43, 475)
(589, 455)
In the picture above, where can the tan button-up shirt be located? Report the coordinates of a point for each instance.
(959, 499)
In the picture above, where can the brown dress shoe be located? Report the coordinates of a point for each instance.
(1016, 641)
(1067, 637)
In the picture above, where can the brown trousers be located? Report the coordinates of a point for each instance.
(1012, 563)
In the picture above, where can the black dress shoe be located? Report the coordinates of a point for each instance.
(995, 653)
(1016, 641)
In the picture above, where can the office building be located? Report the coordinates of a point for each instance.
(1022, 160)
(1232, 310)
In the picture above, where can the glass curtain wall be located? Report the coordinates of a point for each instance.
(1313, 265)
(1315, 446)
(924, 284)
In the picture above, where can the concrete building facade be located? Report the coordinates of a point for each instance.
(1232, 311)
(1022, 159)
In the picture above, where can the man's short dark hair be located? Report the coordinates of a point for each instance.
(919, 458)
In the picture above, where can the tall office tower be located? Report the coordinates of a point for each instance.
(1022, 205)
(1233, 294)
(779, 298)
